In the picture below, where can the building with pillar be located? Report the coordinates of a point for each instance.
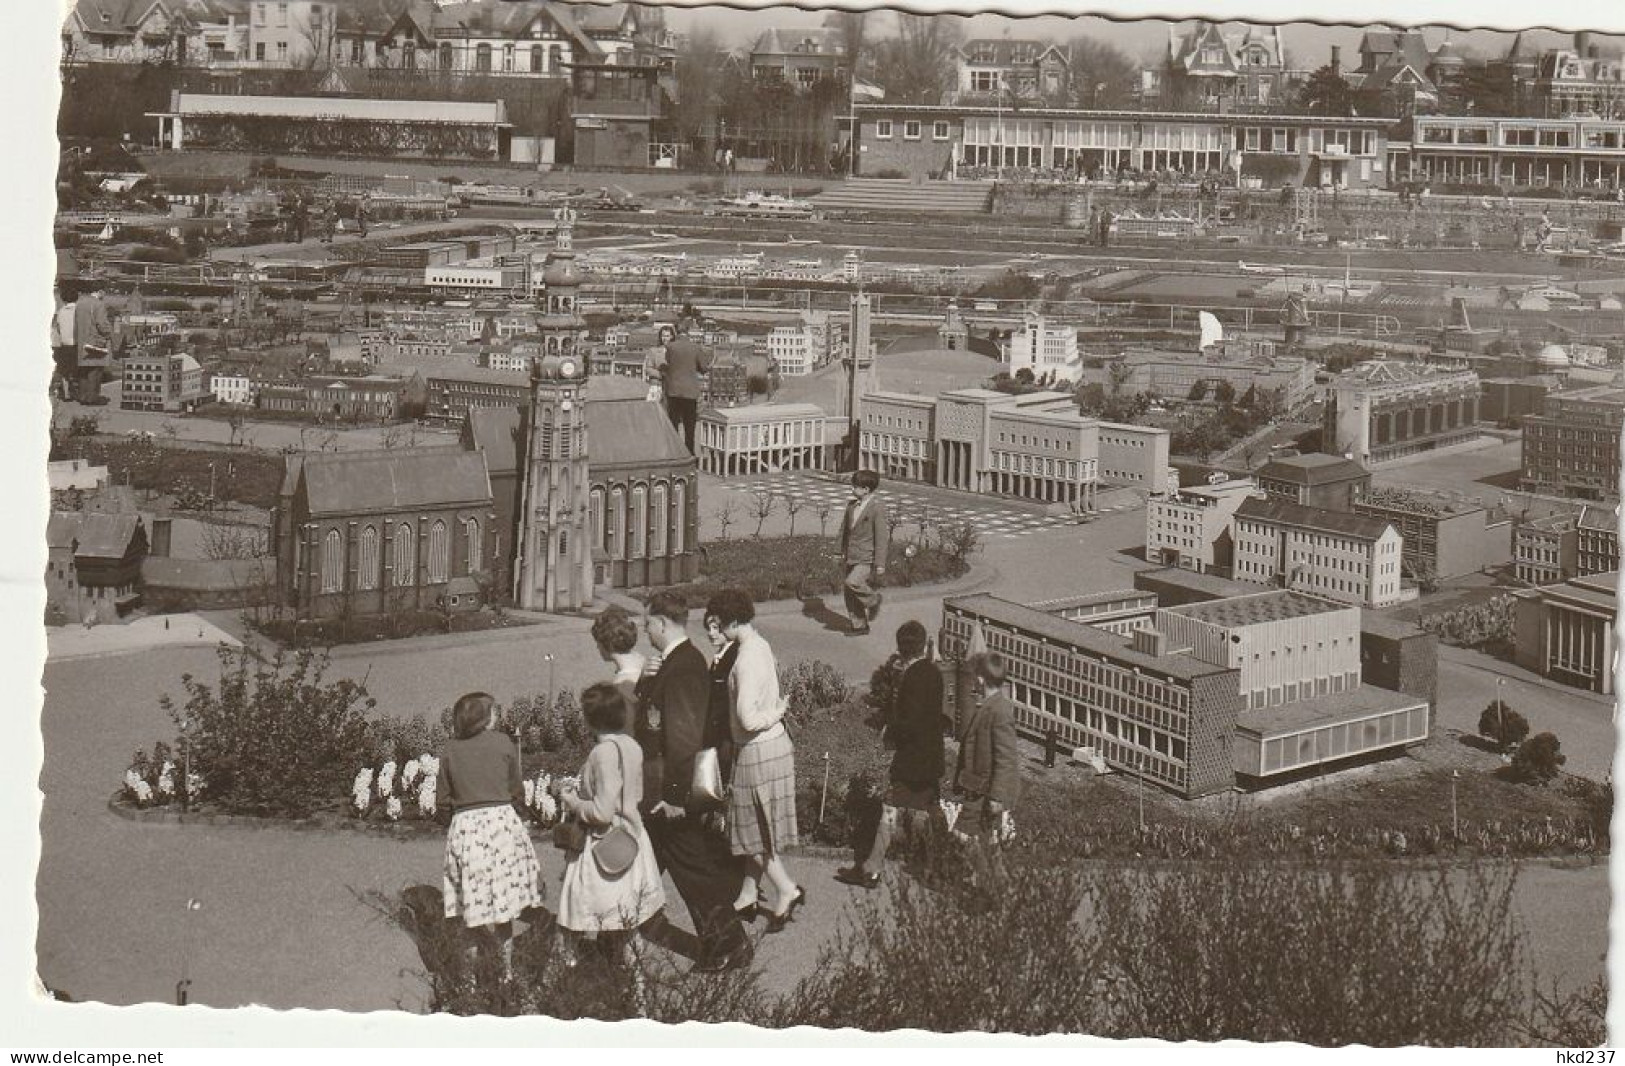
(1566, 632)
(335, 125)
(1384, 409)
(897, 438)
(1035, 447)
(761, 438)
(1572, 447)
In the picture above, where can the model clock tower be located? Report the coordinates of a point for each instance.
(554, 571)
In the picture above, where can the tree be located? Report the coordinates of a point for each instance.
(727, 515)
(700, 70)
(762, 505)
(1539, 759)
(1102, 76)
(825, 509)
(318, 38)
(1502, 725)
(1482, 88)
(918, 65)
(1326, 92)
(1224, 394)
(793, 504)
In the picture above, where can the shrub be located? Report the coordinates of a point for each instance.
(399, 740)
(980, 945)
(1502, 725)
(273, 737)
(1326, 955)
(1538, 759)
(811, 687)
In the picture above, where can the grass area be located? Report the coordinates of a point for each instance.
(781, 568)
(364, 629)
(1397, 808)
(241, 475)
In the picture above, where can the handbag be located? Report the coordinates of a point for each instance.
(617, 849)
(707, 783)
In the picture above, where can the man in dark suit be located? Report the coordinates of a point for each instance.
(914, 727)
(865, 543)
(706, 873)
(686, 360)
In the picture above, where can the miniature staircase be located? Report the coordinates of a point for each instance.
(897, 196)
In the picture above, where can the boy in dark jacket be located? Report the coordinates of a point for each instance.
(914, 727)
(989, 770)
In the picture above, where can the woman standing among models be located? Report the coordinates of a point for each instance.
(616, 634)
(718, 722)
(762, 809)
(491, 872)
(591, 901)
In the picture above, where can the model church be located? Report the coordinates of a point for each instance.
(537, 507)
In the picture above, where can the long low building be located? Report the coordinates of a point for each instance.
(337, 125)
(1513, 151)
(1247, 690)
(921, 141)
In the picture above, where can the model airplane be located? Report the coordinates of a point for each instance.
(800, 240)
(663, 236)
(1272, 271)
(664, 257)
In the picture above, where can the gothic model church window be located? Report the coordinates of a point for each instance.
(367, 578)
(439, 553)
(405, 554)
(332, 561)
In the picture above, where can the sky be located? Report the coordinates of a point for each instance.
(1308, 43)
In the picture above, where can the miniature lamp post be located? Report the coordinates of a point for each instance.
(548, 658)
(1455, 827)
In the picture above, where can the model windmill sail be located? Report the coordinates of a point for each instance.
(1212, 331)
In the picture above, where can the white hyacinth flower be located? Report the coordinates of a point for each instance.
(530, 793)
(549, 807)
(363, 780)
(426, 796)
(143, 793)
(386, 779)
(393, 808)
(428, 764)
(132, 780)
(194, 784)
(409, 773)
(166, 780)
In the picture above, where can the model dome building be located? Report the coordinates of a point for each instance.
(1552, 357)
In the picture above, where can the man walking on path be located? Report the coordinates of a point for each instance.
(914, 727)
(686, 360)
(678, 698)
(865, 544)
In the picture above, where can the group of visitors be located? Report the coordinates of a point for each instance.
(691, 772)
(987, 776)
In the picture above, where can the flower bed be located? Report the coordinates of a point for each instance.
(780, 568)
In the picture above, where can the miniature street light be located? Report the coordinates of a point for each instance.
(548, 658)
(1455, 828)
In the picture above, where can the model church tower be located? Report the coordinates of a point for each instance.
(563, 330)
(554, 571)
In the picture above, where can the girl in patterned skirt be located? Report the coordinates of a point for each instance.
(491, 872)
(762, 808)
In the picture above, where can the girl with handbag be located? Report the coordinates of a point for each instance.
(762, 807)
(491, 872)
(612, 885)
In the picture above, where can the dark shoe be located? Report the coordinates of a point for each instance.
(874, 612)
(749, 914)
(859, 630)
(737, 959)
(777, 922)
(857, 876)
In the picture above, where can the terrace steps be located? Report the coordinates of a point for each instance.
(901, 196)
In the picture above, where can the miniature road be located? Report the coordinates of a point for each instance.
(285, 919)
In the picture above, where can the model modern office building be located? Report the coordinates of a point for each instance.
(1198, 697)
(1190, 528)
(1345, 557)
(1328, 481)
(1572, 447)
(1443, 535)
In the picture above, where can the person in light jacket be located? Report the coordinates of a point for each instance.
(762, 807)
(989, 770)
(865, 544)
